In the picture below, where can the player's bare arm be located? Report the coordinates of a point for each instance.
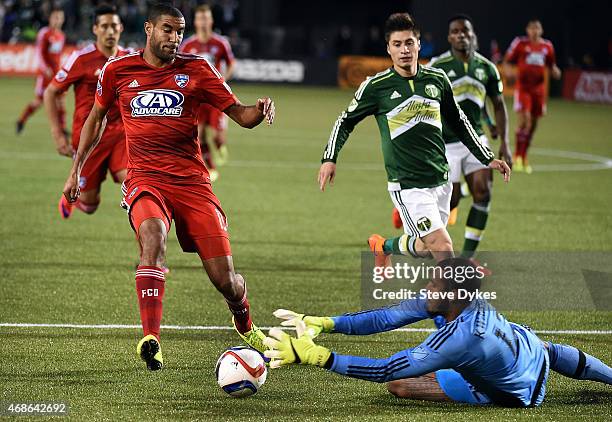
(501, 123)
(555, 72)
(251, 116)
(90, 136)
(229, 71)
(51, 97)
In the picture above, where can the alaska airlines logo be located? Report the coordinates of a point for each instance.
(157, 102)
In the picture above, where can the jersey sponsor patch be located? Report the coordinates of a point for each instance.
(181, 80)
(419, 353)
(61, 76)
(157, 103)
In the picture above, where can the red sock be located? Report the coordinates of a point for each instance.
(150, 286)
(521, 143)
(241, 312)
(86, 208)
(528, 136)
(27, 112)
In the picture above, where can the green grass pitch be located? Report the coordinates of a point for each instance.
(298, 248)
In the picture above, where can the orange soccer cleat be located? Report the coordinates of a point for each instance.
(376, 243)
(64, 207)
(452, 217)
(396, 219)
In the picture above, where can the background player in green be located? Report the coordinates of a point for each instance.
(409, 102)
(473, 78)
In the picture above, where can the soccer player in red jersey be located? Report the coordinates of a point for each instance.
(49, 45)
(218, 52)
(159, 91)
(82, 70)
(532, 55)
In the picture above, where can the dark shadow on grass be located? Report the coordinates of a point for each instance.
(581, 398)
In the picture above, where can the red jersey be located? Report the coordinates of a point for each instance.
(216, 50)
(532, 59)
(159, 111)
(81, 69)
(49, 46)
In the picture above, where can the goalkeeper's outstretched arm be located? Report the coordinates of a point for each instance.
(360, 323)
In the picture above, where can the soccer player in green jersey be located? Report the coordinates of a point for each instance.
(409, 102)
(473, 79)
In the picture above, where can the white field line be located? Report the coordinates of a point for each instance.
(593, 162)
(227, 328)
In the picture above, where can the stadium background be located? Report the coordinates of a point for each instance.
(297, 248)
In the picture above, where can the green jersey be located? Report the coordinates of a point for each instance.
(409, 113)
(472, 83)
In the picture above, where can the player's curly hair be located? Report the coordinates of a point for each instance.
(460, 273)
(400, 22)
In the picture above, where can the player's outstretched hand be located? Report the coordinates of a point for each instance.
(327, 172)
(313, 325)
(493, 131)
(285, 349)
(71, 188)
(502, 167)
(266, 106)
(65, 150)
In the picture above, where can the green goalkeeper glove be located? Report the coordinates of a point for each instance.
(314, 325)
(285, 349)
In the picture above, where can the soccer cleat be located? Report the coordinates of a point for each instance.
(222, 155)
(528, 168)
(149, 350)
(18, 127)
(254, 337)
(376, 243)
(213, 174)
(452, 217)
(396, 219)
(517, 164)
(64, 207)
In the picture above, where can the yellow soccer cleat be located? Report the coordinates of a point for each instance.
(254, 337)
(222, 155)
(517, 164)
(149, 350)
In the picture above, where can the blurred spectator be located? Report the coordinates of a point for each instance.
(374, 45)
(344, 42)
(427, 46)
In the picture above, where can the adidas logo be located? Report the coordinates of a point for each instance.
(134, 84)
(451, 73)
(395, 95)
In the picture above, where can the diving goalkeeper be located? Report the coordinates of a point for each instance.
(478, 357)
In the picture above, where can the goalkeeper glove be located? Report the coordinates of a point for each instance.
(285, 349)
(314, 325)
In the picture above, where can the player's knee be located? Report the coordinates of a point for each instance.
(87, 208)
(481, 195)
(438, 241)
(152, 237)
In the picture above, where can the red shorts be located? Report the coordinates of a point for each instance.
(42, 82)
(109, 155)
(212, 117)
(532, 100)
(201, 225)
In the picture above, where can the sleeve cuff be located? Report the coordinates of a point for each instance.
(328, 160)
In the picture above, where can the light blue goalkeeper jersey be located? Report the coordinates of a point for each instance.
(503, 360)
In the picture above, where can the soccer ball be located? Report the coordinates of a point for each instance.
(240, 371)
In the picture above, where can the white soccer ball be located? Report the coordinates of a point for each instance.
(240, 371)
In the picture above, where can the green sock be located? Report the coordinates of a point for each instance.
(397, 245)
(474, 228)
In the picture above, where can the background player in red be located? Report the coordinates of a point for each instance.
(218, 52)
(159, 92)
(82, 70)
(532, 55)
(49, 46)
